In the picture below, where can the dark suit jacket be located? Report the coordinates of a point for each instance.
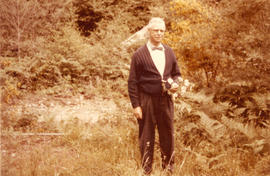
(144, 76)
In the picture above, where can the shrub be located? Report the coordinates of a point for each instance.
(219, 42)
(26, 25)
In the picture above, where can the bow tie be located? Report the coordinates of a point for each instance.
(157, 48)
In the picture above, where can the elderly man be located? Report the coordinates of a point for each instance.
(154, 65)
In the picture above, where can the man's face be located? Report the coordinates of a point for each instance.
(156, 33)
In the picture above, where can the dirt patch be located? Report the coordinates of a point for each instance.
(62, 108)
(26, 151)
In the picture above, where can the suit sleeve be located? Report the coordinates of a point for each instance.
(133, 82)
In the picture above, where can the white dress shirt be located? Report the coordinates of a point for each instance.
(158, 56)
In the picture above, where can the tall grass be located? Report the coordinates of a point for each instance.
(110, 147)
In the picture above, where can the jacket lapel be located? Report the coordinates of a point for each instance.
(149, 59)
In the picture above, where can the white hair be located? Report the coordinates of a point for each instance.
(155, 20)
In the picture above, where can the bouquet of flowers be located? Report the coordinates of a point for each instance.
(171, 86)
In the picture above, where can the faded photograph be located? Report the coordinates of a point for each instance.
(135, 88)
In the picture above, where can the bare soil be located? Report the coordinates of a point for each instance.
(61, 108)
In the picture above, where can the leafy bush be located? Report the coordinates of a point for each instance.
(26, 25)
(221, 42)
(62, 51)
(94, 16)
(246, 104)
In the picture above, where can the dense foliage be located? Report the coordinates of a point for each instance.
(212, 39)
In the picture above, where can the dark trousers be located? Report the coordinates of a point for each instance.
(157, 111)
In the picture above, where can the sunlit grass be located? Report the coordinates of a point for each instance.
(110, 147)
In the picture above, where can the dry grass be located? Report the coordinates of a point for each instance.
(110, 147)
